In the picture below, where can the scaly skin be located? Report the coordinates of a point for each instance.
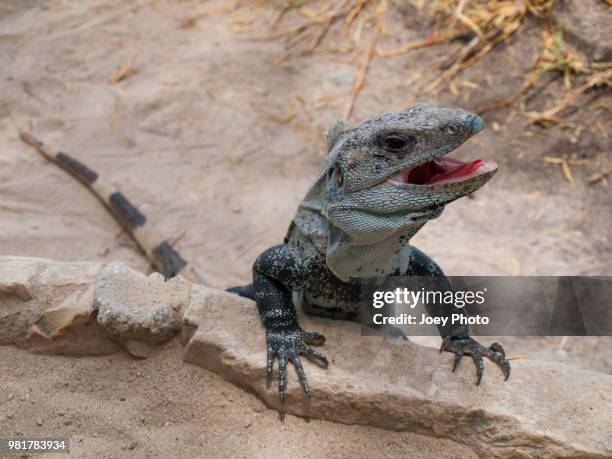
(355, 222)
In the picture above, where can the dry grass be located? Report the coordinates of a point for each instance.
(126, 70)
(557, 58)
(492, 22)
(361, 21)
(473, 28)
(470, 30)
(484, 24)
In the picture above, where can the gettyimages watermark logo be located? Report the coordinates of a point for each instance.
(411, 298)
(494, 306)
(406, 298)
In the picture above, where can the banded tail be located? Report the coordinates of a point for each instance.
(156, 248)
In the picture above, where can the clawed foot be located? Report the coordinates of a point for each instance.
(287, 345)
(466, 345)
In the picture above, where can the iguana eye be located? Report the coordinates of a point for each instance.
(451, 129)
(339, 177)
(394, 142)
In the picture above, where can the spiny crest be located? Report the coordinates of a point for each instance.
(334, 130)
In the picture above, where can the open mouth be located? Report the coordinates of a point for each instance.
(442, 170)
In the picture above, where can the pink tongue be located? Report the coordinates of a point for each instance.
(461, 171)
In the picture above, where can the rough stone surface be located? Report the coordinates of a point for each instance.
(86, 308)
(586, 24)
(139, 310)
(543, 410)
(47, 307)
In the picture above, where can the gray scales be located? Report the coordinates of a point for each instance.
(380, 182)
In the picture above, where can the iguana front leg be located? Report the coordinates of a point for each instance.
(276, 273)
(455, 337)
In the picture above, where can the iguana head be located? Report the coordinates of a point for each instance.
(381, 181)
(396, 165)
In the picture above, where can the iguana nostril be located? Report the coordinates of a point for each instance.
(477, 124)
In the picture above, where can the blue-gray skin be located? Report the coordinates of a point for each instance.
(356, 221)
(378, 186)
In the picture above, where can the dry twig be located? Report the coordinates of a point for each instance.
(348, 110)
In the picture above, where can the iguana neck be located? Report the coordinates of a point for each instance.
(351, 255)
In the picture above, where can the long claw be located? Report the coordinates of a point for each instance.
(458, 356)
(299, 370)
(504, 365)
(497, 354)
(507, 371)
(477, 357)
(282, 374)
(316, 355)
(445, 343)
(269, 364)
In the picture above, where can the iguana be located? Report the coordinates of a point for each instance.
(380, 182)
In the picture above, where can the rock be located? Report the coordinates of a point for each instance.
(543, 410)
(47, 307)
(138, 310)
(587, 26)
(86, 308)
(139, 349)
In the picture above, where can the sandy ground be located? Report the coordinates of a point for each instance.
(115, 406)
(195, 137)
